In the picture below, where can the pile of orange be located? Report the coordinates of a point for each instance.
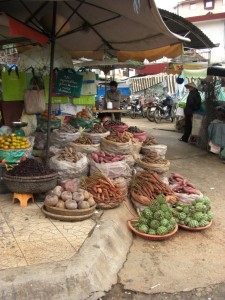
(12, 141)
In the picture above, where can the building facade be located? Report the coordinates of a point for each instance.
(209, 16)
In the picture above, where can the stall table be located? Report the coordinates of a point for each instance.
(111, 112)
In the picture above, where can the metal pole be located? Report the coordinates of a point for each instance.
(52, 39)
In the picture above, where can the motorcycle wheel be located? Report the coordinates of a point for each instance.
(133, 114)
(157, 116)
(173, 115)
(150, 115)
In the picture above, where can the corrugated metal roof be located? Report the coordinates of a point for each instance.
(181, 26)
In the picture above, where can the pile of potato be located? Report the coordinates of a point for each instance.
(83, 114)
(69, 197)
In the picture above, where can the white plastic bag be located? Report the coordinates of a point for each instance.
(68, 170)
(61, 139)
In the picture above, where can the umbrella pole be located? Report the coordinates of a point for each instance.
(50, 80)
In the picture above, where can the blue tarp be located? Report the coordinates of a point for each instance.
(123, 90)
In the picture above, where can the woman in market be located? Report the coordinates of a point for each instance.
(114, 95)
(193, 104)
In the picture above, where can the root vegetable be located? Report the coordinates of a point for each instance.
(71, 204)
(83, 205)
(78, 196)
(60, 204)
(91, 201)
(58, 190)
(86, 195)
(51, 200)
(71, 186)
(66, 196)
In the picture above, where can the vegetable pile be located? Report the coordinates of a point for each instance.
(134, 129)
(153, 158)
(83, 114)
(83, 140)
(180, 185)
(67, 128)
(69, 197)
(68, 154)
(150, 141)
(146, 186)
(157, 218)
(106, 157)
(114, 123)
(105, 193)
(44, 115)
(30, 167)
(121, 137)
(195, 215)
(98, 128)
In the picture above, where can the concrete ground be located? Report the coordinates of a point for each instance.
(57, 262)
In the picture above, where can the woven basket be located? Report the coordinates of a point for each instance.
(150, 236)
(65, 218)
(68, 212)
(159, 168)
(108, 205)
(30, 185)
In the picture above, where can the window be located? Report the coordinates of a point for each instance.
(208, 4)
(192, 6)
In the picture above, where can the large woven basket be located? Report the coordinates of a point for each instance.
(30, 185)
(159, 168)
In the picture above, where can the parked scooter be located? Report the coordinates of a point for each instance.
(164, 110)
(151, 109)
(137, 109)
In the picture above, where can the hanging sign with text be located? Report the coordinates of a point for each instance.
(68, 83)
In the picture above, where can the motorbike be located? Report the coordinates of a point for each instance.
(137, 109)
(164, 110)
(151, 109)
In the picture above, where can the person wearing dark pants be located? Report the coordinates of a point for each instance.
(193, 104)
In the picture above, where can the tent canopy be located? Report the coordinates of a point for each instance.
(93, 27)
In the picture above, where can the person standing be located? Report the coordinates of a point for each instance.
(114, 95)
(193, 104)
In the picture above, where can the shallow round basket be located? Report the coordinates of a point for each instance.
(194, 229)
(65, 218)
(150, 236)
(108, 205)
(30, 185)
(70, 212)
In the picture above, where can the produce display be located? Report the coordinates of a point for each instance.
(12, 141)
(69, 197)
(113, 123)
(68, 154)
(98, 128)
(83, 140)
(30, 167)
(106, 157)
(134, 129)
(146, 186)
(181, 185)
(44, 115)
(83, 114)
(194, 215)
(150, 141)
(67, 128)
(105, 193)
(153, 158)
(121, 137)
(157, 218)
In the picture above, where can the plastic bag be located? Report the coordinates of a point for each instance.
(117, 148)
(159, 149)
(60, 139)
(68, 170)
(96, 137)
(40, 140)
(188, 198)
(34, 101)
(85, 148)
(111, 170)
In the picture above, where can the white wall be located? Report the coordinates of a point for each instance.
(215, 32)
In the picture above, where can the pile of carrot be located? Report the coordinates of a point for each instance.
(103, 189)
(146, 186)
